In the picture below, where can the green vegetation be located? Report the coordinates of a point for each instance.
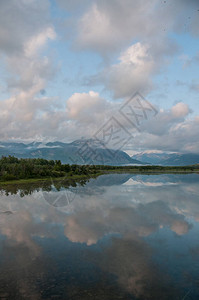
(14, 169)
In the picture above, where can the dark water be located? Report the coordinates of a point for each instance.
(115, 237)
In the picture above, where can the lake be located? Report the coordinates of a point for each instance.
(119, 236)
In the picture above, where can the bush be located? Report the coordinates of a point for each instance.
(8, 177)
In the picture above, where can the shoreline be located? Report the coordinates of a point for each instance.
(49, 179)
(76, 178)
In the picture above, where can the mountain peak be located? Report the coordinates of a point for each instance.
(94, 143)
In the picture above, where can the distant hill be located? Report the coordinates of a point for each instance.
(151, 158)
(165, 159)
(78, 152)
(182, 159)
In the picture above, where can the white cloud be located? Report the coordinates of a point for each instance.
(19, 20)
(28, 70)
(110, 27)
(169, 131)
(133, 72)
(87, 112)
(107, 26)
(180, 110)
(35, 43)
(138, 30)
(85, 106)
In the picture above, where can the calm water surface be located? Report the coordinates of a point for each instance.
(116, 237)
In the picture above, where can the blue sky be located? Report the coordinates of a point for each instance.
(66, 67)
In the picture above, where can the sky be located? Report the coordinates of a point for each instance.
(68, 67)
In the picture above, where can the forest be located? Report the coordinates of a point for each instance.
(12, 168)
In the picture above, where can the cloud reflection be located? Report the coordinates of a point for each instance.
(111, 225)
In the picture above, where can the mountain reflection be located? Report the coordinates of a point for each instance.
(115, 237)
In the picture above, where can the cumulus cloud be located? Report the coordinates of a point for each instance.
(19, 20)
(108, 26)
(181, 137)
(166, 119)
(134, 31)
(22, 43)
(86, 107)
(170, 130)
(36, 42)
(133, 72)
(180, 110)
(87, 113)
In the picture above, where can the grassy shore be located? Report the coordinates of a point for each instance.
(50, 179)
(147, 170)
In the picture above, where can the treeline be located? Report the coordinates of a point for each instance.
(12, 168)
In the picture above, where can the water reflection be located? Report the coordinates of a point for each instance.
(119, 236)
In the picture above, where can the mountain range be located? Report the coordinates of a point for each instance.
(81, 151)
(165, 159)
(91, 151)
